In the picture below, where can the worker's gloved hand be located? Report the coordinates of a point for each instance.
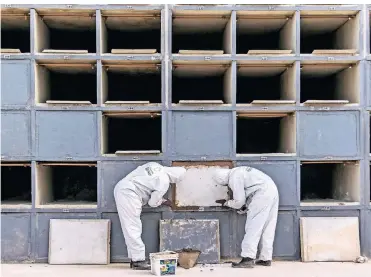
(168, 203)
(243, 210)
(221, 201)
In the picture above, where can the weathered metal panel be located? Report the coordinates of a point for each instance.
(226, 230)
(196, 234)
(42, 230)
(150, 235)
(367, 233)
(284, 175)
(15, 134)
(111, 174)
(202, 133)
(15, 237)
(286, 239)
(66, 134)
(15, 83)
(329, 134)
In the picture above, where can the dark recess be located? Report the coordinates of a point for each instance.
(134, 87)
(134, 40)
(73, 86)
(266, 41)
(63, 39)
(16, 183)
(318, 88)
(258, 135)
(134, 134)
(16, 39)
(308, 43)
(258, 88)
(74, 183)
(197, 88)
(198, 41)
(316, 181)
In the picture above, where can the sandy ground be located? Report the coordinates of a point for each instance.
(278, 269)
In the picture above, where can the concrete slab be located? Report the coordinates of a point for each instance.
(278, 269)
(197, 188)
(329, 238)
(202, 235)
(79, 241)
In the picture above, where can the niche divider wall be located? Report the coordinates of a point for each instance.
(221, 98)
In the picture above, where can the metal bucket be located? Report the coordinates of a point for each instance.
(188, 257)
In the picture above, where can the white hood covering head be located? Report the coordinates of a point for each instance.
(174, 173)
(221, 176)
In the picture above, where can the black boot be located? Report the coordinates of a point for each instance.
(140, 265)
(244, 263)
(263, 263)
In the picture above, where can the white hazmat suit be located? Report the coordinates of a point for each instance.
(147, 184)
(259, 192)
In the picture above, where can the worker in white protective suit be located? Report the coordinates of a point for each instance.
(147, 184)
(255, 194)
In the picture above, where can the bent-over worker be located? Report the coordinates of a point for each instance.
(255, 194)
(147, 184)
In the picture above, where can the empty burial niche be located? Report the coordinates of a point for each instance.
(15, 33)
(66, 184)
(260, 84)
(329, 33)
(336, 183)
(16, 184)
(137, 33)
(70, 32)
(202, 84)
(259, 32)
(132, 133)
(195, 33)
(266, 133)
(329, 84)
(66, 84)
(132, 84)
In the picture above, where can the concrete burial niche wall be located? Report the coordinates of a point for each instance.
(283, 88)
(198, 188)
(15, 134)
(15, 241)
(15, 83)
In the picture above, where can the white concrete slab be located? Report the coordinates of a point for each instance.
(197, 187)
(329, 239)
(79, 241)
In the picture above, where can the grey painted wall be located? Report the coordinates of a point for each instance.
(37, 133)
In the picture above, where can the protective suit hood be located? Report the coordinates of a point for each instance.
(174, 173)
(221, 176)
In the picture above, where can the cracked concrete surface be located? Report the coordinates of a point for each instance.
(279, 269)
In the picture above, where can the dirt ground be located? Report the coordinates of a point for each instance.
(278, 269)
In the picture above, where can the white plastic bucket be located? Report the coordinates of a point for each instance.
(163, 263)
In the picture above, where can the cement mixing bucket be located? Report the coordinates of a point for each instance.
(188, 257)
